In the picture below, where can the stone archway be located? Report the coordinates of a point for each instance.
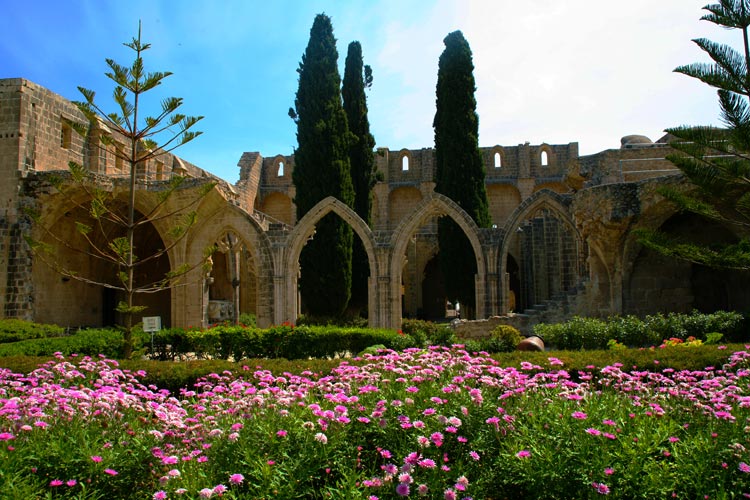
(253, 261)
(546, 270)
(433, 205)
(297, 239)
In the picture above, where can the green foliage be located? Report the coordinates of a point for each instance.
(715, 159)
(322, 169)
(14, 330)
(108, 225)
(357, 78)
(428, 332)
(284, 341)
(460, 173)
(594, 333)
(503, 338)
(247, 319)
(89, 342)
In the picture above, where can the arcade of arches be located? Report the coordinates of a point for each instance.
(561, 239)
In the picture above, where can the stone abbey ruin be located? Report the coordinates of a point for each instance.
(561, 243)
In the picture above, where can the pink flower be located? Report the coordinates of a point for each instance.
(579, 415)
(601, 488)
(473, 454)
(405, 478)
(6, 436)
(281, 433)
(449, 494)
(170, 460)
(219, 489)
(160, 495)
(609, 471)
(402, 490)
(322, 438)
(55, 482)
(427, 463)
(71, 482)
(206, 493)
(96, 458)
(236, 478)
(744, 467)
(422, 489)
(523, 454)
(111, 472)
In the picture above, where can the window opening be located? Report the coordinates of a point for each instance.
(280, 171)
(65, 134)
(545, 159)
(404, 163)
(498, 160)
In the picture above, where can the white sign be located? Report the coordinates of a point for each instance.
(151, 323)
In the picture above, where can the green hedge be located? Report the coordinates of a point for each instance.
(301, 342)
(592, 333)
(90, 342)
(14, 330)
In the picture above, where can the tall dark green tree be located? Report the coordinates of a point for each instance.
(716, 160)
(322, 169)
(357, 78)
(460, 172)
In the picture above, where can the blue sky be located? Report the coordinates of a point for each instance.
(555, 71)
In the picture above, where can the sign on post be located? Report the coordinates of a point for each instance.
(151, 323)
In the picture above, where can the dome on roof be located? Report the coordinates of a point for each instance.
(634, 140)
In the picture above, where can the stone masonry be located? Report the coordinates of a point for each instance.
(561, 240)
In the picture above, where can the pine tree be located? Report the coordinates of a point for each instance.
(716, 160)
(357, 78)
(322, 169)
(460, 172)
(111, 223)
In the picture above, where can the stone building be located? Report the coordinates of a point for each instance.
(561, 242)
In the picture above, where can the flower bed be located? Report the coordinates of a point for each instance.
(436, 422)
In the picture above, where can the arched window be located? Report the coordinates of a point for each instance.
(498, 160)
(545, 159)
(280, 171)
(405, 163)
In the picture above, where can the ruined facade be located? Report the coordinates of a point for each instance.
(561, 241)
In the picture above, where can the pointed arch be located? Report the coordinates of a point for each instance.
(435, 204)
(253, 237)
(544, 199)
(305, 228)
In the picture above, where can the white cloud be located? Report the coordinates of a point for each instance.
(588, 71)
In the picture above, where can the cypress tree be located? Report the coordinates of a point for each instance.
(460, 173)
(322, 169)
(357, 78)
(715, 160)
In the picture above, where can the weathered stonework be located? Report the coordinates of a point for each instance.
(561, 241)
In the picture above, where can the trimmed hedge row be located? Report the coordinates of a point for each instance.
(592, 333)
(15, 330)
(237, 342)
(90, 342)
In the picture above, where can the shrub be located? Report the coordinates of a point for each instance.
(592, 333)
(504, 338)
(89, 342)
(248, 320)
(14, 330)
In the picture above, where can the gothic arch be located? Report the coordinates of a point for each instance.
(434, 204)
(253, 237)
(306, 227)
(544, 199)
